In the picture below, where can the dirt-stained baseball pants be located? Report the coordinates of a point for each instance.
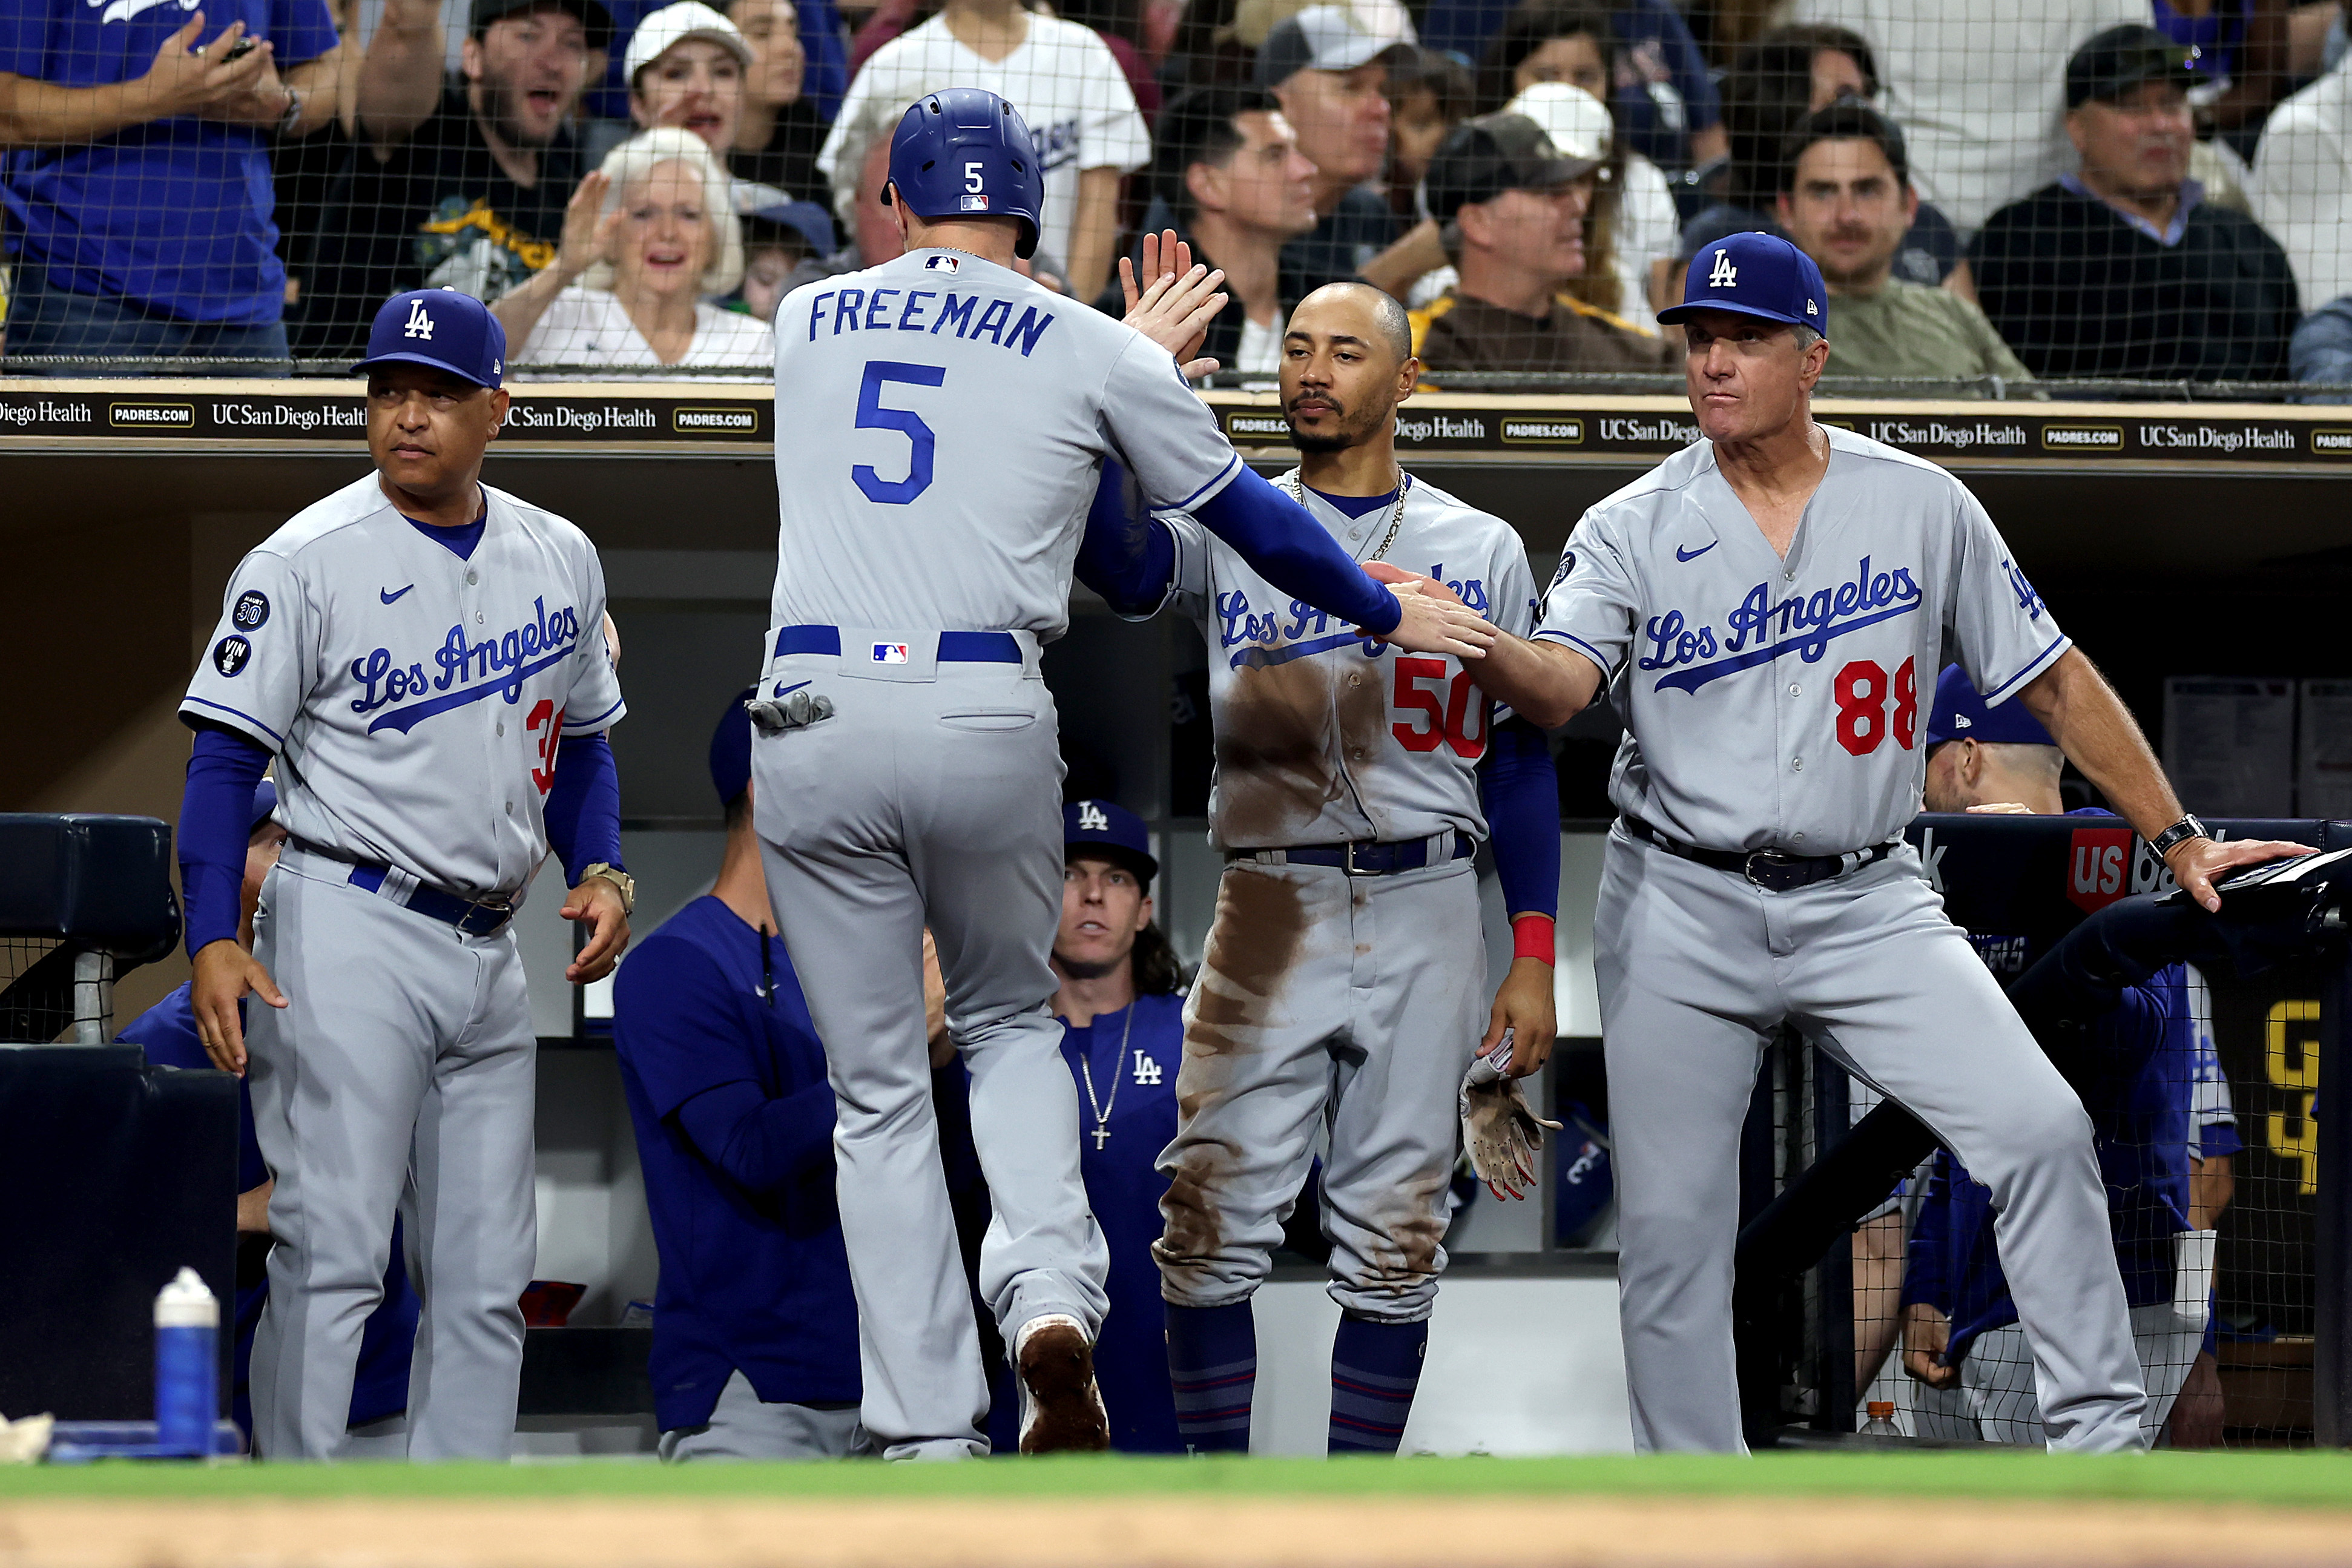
(1697, 966)
(1356, 1001)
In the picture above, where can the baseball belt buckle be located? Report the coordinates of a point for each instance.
(485, 919)
(1774, 870)
(1347, 860)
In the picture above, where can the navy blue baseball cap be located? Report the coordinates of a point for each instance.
(1756, 274)
(442, 328)
(730, 748)
(265, 804)
(1960, 714)
(1107, 826)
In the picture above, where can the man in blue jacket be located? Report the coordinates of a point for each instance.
(755, 1331)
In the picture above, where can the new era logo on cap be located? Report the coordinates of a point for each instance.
(890, 653)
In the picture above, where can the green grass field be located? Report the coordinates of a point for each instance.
(2303, 1479)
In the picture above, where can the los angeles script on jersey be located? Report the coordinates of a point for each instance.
(469, 671)
(1759, 630)
(1266, 640)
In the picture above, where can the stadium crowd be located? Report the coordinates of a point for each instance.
(1996, 193)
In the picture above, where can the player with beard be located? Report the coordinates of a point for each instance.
(1344, 981)
(459, 184)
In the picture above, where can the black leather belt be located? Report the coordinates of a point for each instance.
(1369, 857)
(471, 917)
(1774, 870)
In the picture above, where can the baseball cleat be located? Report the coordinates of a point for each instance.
(1061, 1409)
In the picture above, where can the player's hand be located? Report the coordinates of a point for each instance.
(587, 226)
(935, 1005)
(252, 1209)
(2196, 862)
(225, 973)
(1925, 1333)
(1500, 1131)
(1436, 622)
(1524, 1010)
(598, 901)
(1174, 304)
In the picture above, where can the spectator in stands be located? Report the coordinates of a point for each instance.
(779, 137)
(1062, 77)
(776, 241)
(2321, 351)
(824, 49)
(687, 64)
(647, 240)
(137, 175)
(1779, 77)
(1848, 203)
(1228, 167)
(2240, 55)
(459, 184)
(1429, 94)
(1655, 78)
(1977, 88)
(755, 1329)
(1514, 211)
(2122, 269)
(1331, 78)
(2135, 1066)
(2300, 189)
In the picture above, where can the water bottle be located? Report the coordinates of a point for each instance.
(1881, 1422)
(187, 1365)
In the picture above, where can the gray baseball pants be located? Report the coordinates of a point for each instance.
(1995, 1401)
(400, 1075)
(742, 1425)
(932, 796)
(1352, 1000)
(1696, 967)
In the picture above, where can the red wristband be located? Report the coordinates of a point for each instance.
(1531, 937)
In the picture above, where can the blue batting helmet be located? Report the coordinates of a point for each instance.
(966, 152)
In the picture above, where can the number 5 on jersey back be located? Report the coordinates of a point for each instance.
(921, 441)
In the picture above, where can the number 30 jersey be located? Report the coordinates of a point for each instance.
(415, 698)
(1772, 703)
(940, 421)
(1321, 736)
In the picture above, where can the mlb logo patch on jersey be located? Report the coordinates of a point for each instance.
(974, 202)
(942, 263)
(890, 653)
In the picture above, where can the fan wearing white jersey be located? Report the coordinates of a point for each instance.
(422, 656)
(1344, 982)
(1765, 607)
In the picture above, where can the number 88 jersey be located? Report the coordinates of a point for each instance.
(1774, 701)
(1321, 735)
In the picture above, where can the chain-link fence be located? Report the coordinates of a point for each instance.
(2008, 198)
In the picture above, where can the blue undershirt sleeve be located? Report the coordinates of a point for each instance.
(1290, 549)
(584, 806)
(763, 1144)
(1128, 559)
(1925, 1275)
(215, 823)
(1520, 784)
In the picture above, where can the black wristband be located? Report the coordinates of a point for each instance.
(2179, 833)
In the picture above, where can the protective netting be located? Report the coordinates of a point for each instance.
(2005, 198)
(2200, 1092)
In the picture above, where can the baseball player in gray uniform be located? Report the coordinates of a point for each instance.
(939, 423)
(1344, 981)
(421, 655)
(1767, 608)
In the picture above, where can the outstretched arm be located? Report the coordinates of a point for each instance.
(1130, 559)
(1546, 682)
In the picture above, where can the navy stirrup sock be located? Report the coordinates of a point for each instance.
(1213, 1361)
(1375, 1368)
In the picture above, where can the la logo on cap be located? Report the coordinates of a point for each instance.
(1091, 818)
(1725, 276)
(420, 325)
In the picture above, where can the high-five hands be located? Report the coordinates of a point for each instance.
(1176, 301)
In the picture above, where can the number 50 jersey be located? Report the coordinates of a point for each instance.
(1777, 702)
(939, 423)
(1322, 736)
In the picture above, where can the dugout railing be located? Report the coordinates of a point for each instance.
(2281, 1274)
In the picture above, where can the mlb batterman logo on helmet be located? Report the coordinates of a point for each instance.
(965, 151)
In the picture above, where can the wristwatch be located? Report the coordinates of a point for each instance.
(624, 884)
(2179, 833)
(293, 115)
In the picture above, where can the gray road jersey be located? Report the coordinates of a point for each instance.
(939, 423)
(415, 700)
(1779, 702)
(1321, 736)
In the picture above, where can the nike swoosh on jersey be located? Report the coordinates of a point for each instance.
(1682, 555)
(388, 596)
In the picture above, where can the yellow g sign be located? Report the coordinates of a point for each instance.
(2291, 1058)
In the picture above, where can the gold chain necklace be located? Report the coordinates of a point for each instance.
(1396, 516)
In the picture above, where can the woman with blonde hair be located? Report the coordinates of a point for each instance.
(648, 240)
